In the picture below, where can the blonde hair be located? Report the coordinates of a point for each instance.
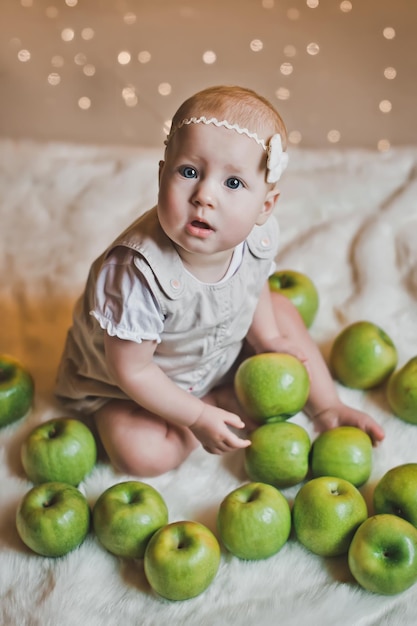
(238, 105)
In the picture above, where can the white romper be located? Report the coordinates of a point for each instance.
(199, 327)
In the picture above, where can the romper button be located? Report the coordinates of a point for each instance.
(265, 242)
(175, 284)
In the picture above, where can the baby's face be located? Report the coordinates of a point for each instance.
(212, 189)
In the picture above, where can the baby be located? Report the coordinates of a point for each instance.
(181, 297)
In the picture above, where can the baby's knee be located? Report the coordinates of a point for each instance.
(146, 454)
(139, 443)
(139, 465)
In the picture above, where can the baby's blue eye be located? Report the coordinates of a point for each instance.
(188, 172)
(233, 183)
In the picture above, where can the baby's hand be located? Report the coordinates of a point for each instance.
(282, 344)
(212, 430)
(344, 415)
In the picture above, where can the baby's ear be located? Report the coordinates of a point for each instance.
(270, 202)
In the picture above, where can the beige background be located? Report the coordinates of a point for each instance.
(321, 63)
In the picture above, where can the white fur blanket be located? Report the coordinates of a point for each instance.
(349, 220)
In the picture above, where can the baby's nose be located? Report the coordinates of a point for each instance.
(204, 194)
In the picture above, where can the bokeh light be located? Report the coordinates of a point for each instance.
(294, 137)
(282, 93)
(51, 12)
(389, 32)
(124, 57)
(87, 33)
(290, 50)
(24, 55)
(89, 69)
(57, 60)
(293, 14)
(67, 34)
(54, 79)
(313, 48)
(383, 145)
(144, 56)
(345, 6)
(80, 59)
(164, 89)
(385, 106)
(209, 57)
(84, 103)
(390, 73)
(333, 136)
(286, 68)
(129, 96)
(129, 18)
(256, 45)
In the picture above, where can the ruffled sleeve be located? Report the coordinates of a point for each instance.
(124, 306)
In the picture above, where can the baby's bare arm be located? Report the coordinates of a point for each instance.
(265, 335)
(135, 372)
(132, 366)
(287, 332)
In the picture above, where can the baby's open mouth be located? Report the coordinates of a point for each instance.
(199, 224)
(199, 228)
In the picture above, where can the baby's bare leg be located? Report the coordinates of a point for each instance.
(140, 443)
(324, 405)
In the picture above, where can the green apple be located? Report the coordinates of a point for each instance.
(298, 288)
(181, 560)
(126, 515)
(254, 521)
(271, 387)
(61, 449)
(396, 492)
(16, 390)
(402, 392)
(382, 556)
(278, 454)
(343, 452)
(53, 518)
(326, 513)
(362, 356)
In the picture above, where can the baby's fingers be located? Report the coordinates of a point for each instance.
(234, 441)
(235, 421)
(242, 443)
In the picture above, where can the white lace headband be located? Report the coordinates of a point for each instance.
(277, 159)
